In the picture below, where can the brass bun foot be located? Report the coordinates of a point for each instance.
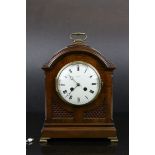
(44, 139)
(113, 139)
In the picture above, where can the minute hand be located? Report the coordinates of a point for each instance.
(73, 79)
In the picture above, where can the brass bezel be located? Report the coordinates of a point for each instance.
(73, 63)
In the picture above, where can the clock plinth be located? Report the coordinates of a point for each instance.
(79, 131)
(78, 95)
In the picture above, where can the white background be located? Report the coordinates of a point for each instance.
(13, 77)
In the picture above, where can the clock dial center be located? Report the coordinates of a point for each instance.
(78, 84)
(85, 89)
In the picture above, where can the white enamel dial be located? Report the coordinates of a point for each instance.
(78, 83)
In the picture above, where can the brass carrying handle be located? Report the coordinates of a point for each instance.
(78, 36)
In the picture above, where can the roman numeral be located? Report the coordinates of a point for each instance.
(86, 97)
(62, 84)
(93, 83)
(86, 69)
(91, 91)
(65, 91)
(70, 70)
(70, 97)
(78, 68)
(78, 99)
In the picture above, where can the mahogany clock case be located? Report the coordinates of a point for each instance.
(94, 120)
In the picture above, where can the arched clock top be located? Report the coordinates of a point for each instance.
(79, 49)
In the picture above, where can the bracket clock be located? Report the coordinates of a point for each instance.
(78, 93)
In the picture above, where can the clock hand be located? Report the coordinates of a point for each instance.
(72, 79)
(73, 89)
